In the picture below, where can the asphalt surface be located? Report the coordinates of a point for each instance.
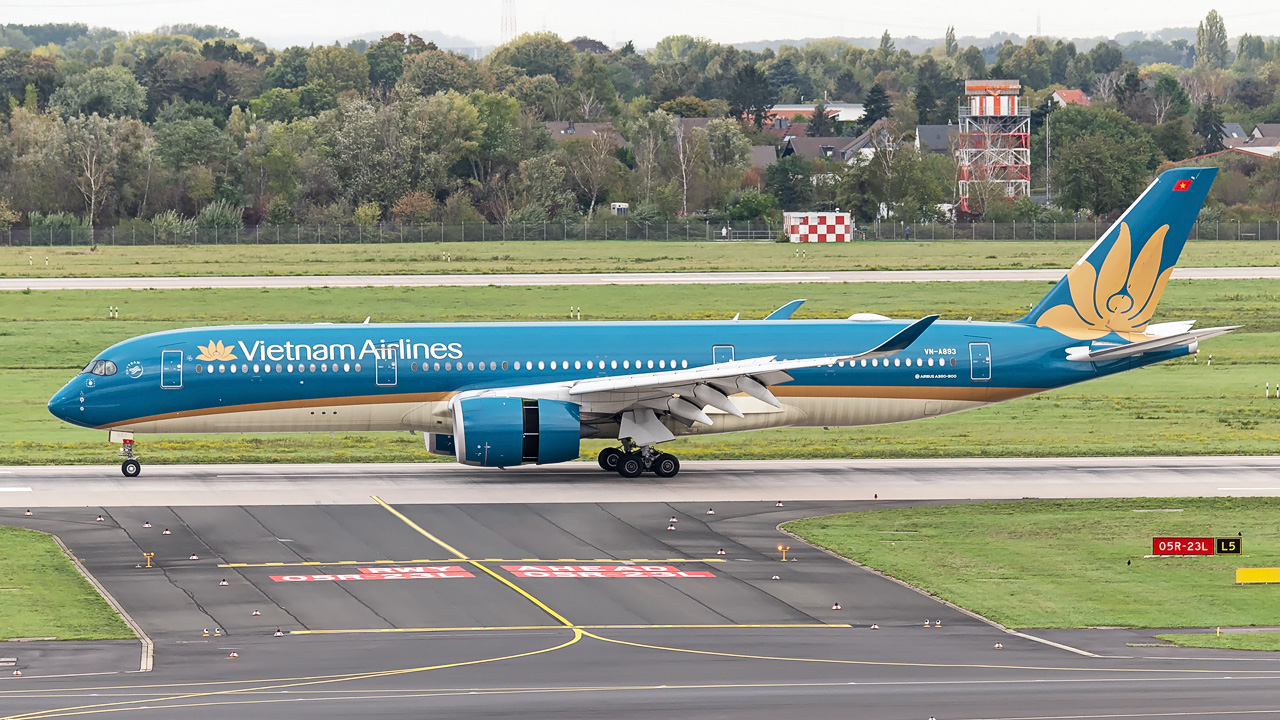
(717, 637)
(678, 278)
(698, 481)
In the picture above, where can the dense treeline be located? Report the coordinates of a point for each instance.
(192, 125)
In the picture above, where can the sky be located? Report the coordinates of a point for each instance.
(281, 22)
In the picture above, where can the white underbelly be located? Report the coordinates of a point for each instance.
(371, 417)
(831, 412)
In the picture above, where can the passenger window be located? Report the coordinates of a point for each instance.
(613, 364)
(434, 366)
(199, 368)
(541, 365)
(517, 365)
(313, 367)
(424, 367)
(553, 364)
(577, 364)
(684, 363)
(414, 367)
(256, 367)
(504, 364)
(471, 366)
(233, 369)
(448, 366)
(953, 362)
(626, 364)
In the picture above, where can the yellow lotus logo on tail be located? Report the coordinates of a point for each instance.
(1119, 297)
(215, 350)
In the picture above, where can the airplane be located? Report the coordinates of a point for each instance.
(506, 394)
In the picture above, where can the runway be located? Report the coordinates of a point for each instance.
(717, 636)
(442, 591)
(698, 481)
(531, 279)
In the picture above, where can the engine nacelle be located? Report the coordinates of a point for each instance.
(503, 431)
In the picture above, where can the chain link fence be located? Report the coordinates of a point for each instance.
(620, 229)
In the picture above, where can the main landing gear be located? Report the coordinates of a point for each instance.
(632, 461)
(130, 467)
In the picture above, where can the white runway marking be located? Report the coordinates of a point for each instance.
(1248, 489)
(14, 489)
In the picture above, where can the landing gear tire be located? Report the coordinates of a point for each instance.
(609, 458)
(131, 468)
(666, 466)
(630, 465)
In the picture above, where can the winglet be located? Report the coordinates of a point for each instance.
(786, 311)
(902, 340)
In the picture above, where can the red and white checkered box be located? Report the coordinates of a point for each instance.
(817, 226)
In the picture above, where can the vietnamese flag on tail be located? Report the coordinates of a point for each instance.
(1182, 185)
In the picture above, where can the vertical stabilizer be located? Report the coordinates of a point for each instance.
(1116, 286)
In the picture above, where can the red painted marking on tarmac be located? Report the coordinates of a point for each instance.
(390, 573)
(603, 571)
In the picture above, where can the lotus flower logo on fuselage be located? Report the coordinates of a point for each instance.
(215, 350)
(1120, 297)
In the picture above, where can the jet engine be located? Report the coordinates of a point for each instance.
(504, 431)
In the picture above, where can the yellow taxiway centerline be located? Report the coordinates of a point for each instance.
(474, 563)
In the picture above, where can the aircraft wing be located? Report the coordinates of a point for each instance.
(635, 401)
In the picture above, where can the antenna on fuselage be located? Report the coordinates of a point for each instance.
(366, 320)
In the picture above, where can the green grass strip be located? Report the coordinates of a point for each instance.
(1070, 563)
(43, 595)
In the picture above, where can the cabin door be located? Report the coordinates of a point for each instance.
(721, 353)
(170, 369)
(980, 361)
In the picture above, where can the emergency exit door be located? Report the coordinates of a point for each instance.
(721, 353)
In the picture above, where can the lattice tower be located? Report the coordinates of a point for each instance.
(994, 154)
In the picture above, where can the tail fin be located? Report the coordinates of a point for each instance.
(1115, 287)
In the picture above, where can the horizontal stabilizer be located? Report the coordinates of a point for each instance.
(1084, 354)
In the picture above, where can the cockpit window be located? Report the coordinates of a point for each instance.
(100, 367)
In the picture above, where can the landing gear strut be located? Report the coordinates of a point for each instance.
(631, 461)
(130, 467)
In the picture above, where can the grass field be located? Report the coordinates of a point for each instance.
(570, 256)
(1227, 641)
(1062, 564)
(42, 594)
(1184, 407)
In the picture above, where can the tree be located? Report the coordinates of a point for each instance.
(728, 157)
(290, 69)
(822, 124)
(690, 155)
(971, 64)
(790, 180)
(1168, 100)
(926, 104)
(687, 106)
(277, 105)
(592, 165)
(386, 58)
(874, 107)
(535, 54)
(91, 150)
(432, 71)
(1211, 43)
(499, 146)
(338, 69)
(1097, 173)
(750, 96)
(414, 208)
(1173, 139)
(1208, 125)
(593, 89)
(651, 141)
(949, 43)
(1105, 58)
(106, 91)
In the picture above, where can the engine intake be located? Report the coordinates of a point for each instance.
(501, 431)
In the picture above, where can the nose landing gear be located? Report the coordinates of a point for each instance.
(130, 467)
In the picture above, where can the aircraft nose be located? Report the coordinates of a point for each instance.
(65, 404)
